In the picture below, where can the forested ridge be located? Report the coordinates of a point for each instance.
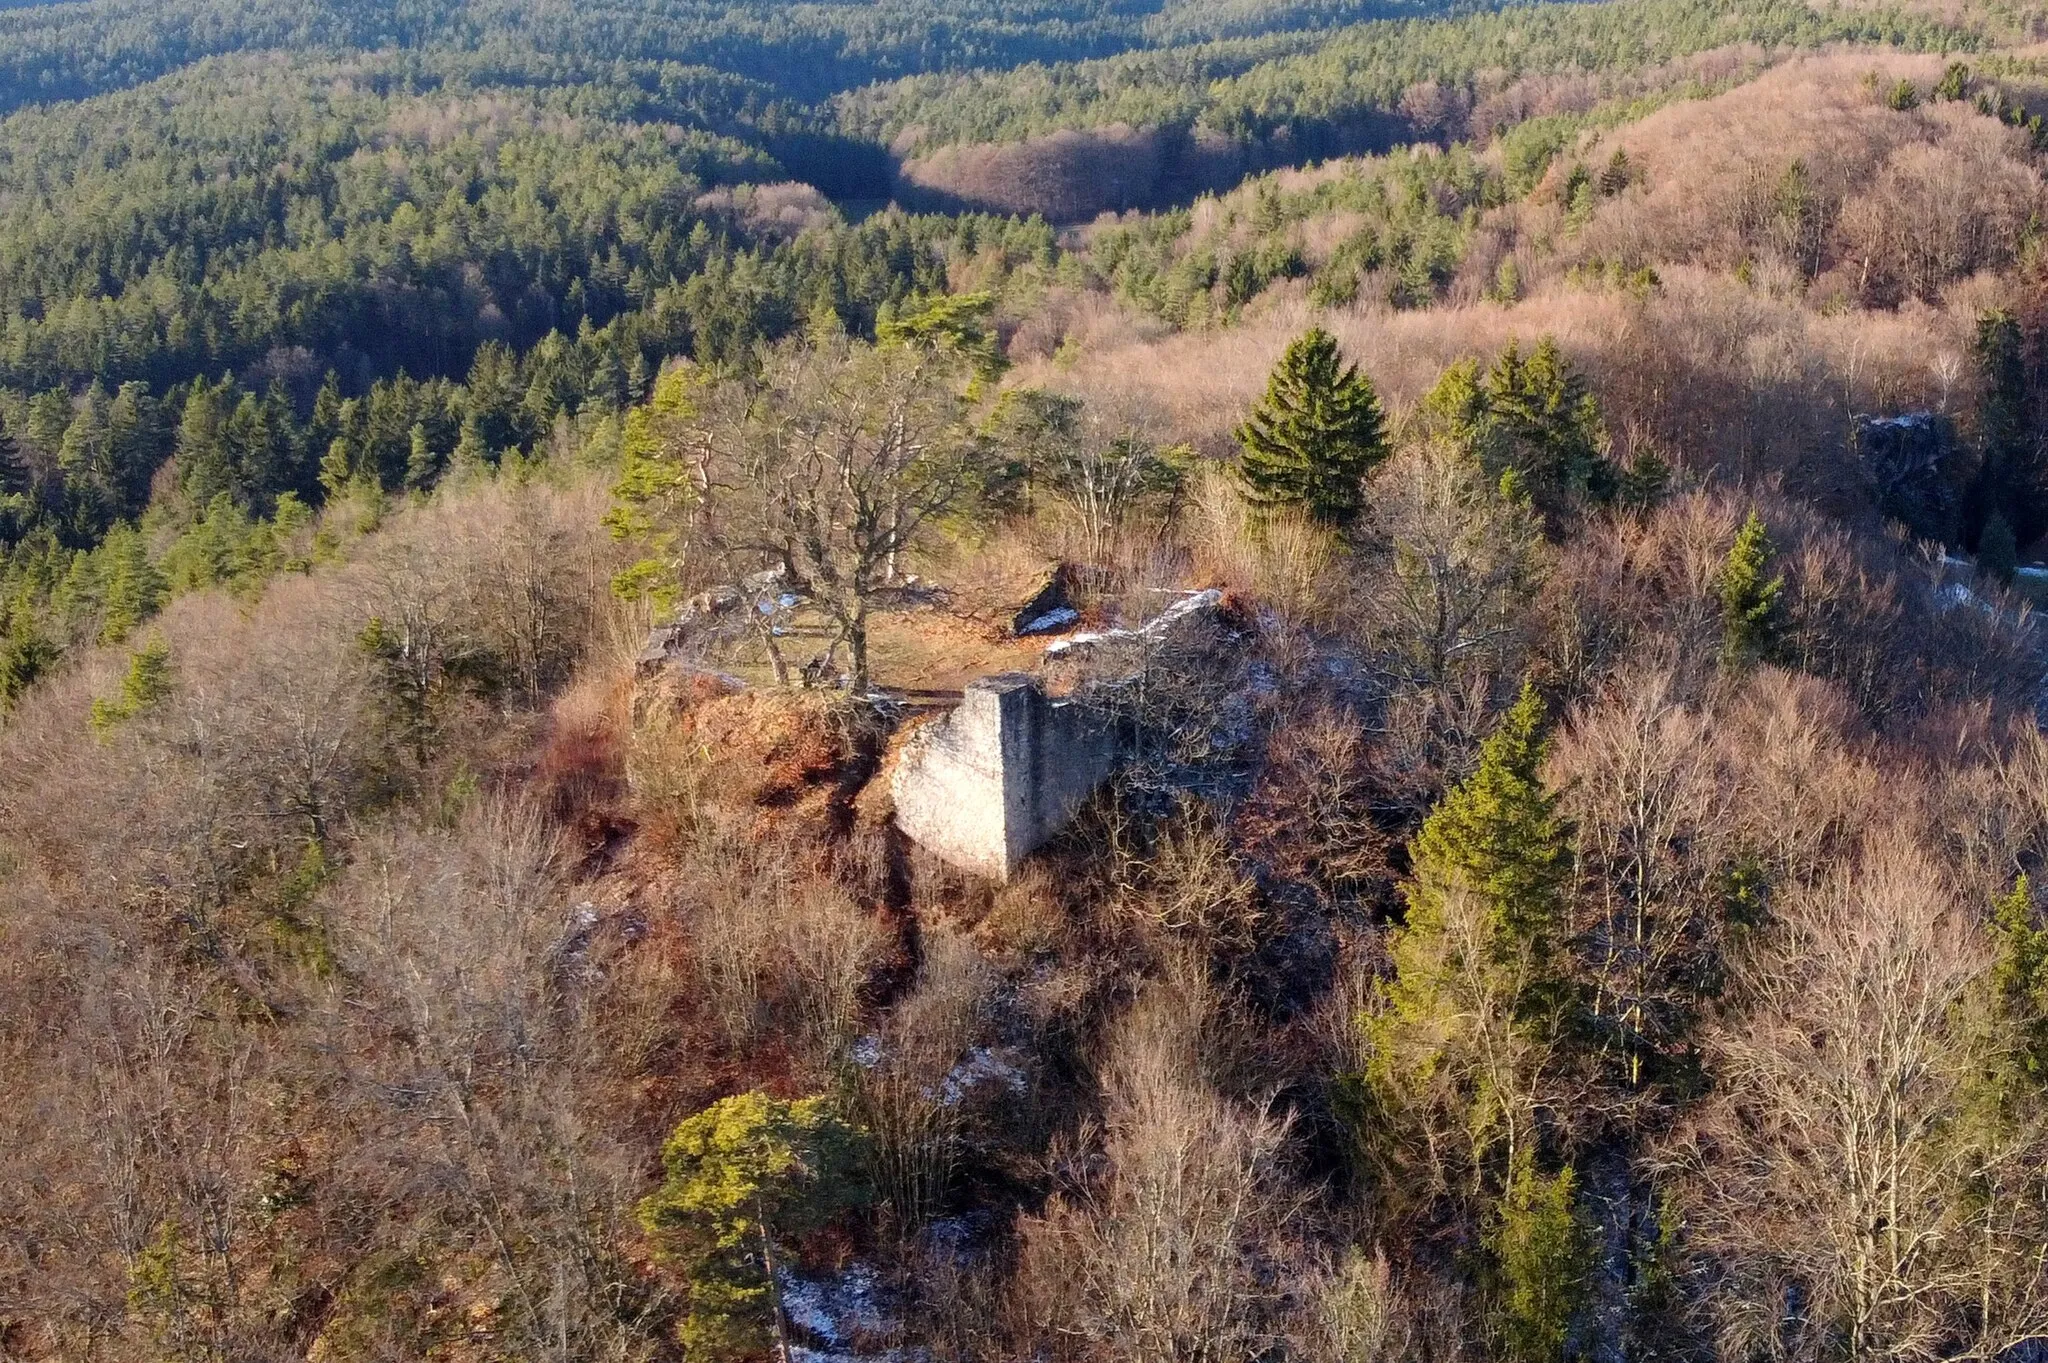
(1536, 514)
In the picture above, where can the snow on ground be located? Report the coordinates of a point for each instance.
(837, 1316)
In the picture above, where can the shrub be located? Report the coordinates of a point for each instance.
(740, 1173)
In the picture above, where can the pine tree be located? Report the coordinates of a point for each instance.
(1618, 175)
(421, 464)
(1498, 835)
(2012, 1013)
(471, 453)
(1547, 425)
(25, 653)
(327, 422)
(49, 416)
(134, 445)
(1317, 433)
(84, 458)
(740, 1174)
(254, 446)
(206, 466)
(338, 468)
(17, 477)
(1541, 1259)
(1457, 409)
(1750, 602)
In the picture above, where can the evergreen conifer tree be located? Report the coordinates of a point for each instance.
(1998, 551)
(1498, 835)
(743, 1172)
(422, 463)
(1548, 425)
(1316, 434)
(1480, 989)
(2019, 980)
(134, 586)
(2012, 478)
(206, 466)
(134, 445)
(1750, 601)
(1541, 1256)
(25, 653)
(337, 468)
(17, 479)
(145, 687)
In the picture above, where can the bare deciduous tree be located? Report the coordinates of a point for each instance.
(1462, 558)
(1840, 1198)
(831, 466)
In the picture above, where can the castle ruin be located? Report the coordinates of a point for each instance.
(988, 784)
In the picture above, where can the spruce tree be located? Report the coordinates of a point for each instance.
(146, 686)
(135, 444)
(1541, 1257)
(337, 468)
(1479, 990)
(25, 653)
(740, 1175)
(2012, 477)
(135, 587)
(206, 466)
(421, 463)
(2019, 982)
(1751, 603)
(17, 476)
(1547, 425)
(1317, 433)
(1498, 835)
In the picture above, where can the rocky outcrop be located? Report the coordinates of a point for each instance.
(1911, 462)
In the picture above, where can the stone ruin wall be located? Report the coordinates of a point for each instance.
(987, 785)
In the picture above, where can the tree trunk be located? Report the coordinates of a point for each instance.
(857, 650)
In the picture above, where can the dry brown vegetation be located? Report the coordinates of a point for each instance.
(350, 986)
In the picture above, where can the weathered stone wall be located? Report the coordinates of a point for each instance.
(986, 786)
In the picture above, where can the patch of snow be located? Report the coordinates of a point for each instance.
(1955, 596)
(807, 1307)
(836, 1312)
(2033, 571)
(1193, 603)
(1908, 421)
(979, 1066)
(866, 1052)
(1051, 620)
(1181, 609)
(574, 944)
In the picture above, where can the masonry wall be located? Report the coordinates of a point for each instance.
(989, 784)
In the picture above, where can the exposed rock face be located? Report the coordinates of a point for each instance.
(986, 786)
(1910, 459)
(1050, 608)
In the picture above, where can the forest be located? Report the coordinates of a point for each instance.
(1520, 530)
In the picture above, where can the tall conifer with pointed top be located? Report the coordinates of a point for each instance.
(1319, 430)
(1481, 989)
(1750, 601)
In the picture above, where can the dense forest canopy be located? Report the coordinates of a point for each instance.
(1086, 681)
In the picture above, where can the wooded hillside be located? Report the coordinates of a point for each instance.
(1539, 512)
